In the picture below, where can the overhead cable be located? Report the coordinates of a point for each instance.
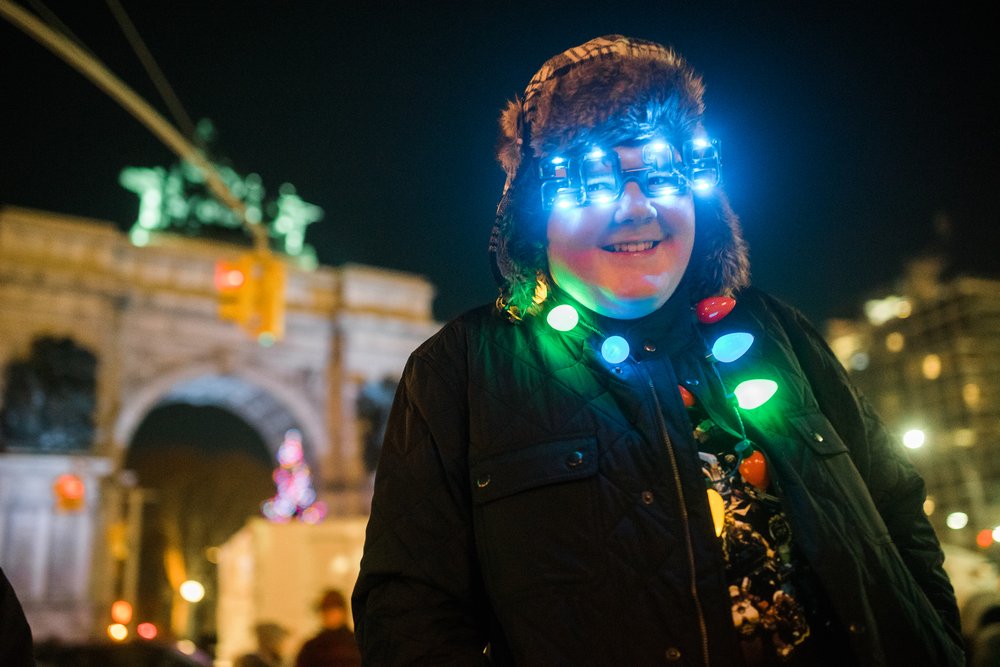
(152, 69)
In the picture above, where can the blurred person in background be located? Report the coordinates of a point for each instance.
(271, 640)
(334, 645)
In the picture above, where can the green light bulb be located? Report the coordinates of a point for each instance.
(752, 394)
(563, 318)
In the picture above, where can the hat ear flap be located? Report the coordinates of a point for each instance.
(511, 137)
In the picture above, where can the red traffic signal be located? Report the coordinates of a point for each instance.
(236, 285)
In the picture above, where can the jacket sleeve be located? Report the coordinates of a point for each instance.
(895, 486)
(15, 634)
(418, 599)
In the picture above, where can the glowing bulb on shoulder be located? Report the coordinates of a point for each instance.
(563, 318)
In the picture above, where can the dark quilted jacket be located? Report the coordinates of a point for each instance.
(535, 499)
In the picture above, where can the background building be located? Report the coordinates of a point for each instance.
(138, 430)
(928, 357)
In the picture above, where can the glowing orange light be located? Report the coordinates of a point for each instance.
(118, 632)
(984, 538)
(69, 486)
(121, 612)
(69, 491)
(718, 506)
(146, 630)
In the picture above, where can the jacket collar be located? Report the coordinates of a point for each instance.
(669, 330)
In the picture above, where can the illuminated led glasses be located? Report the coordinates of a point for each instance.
(597, 177)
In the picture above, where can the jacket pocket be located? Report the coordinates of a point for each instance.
(536, 517)
(833, 468)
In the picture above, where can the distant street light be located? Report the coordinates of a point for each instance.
(186, 646)
(192, 591)
(121, 612)
(146, 630)
(914, 439)
(117, 632)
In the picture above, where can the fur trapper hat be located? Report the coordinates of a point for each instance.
(604, 92)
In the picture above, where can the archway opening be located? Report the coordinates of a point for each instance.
(204, 471)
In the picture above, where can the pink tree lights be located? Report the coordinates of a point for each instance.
(295, 497)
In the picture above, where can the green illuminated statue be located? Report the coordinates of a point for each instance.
(176, 199)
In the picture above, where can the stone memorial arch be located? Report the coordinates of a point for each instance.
(142, 321)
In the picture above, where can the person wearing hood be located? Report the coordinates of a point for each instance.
(633, 457)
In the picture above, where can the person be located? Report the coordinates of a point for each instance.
(16, 644)
(633, 457)
(271, 638)
(334, 645)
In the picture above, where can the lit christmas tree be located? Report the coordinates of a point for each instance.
(296, 498)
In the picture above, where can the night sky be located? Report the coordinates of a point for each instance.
(846, 131)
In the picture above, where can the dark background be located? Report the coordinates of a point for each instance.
(847, 129)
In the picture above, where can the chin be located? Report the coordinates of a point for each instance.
(629, 308)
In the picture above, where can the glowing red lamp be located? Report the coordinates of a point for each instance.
(69, 491)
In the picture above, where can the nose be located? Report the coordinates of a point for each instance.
(634, 207)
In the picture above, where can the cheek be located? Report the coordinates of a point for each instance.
(570, 236)
(678, 216)
(570, 228)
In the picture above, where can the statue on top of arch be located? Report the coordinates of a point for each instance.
(177, 199)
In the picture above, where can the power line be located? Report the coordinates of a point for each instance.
(152, 69)
(135, 105)
(50, 18)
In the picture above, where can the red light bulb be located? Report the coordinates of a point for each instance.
(754, 470)
(714, 308)
(687, 397)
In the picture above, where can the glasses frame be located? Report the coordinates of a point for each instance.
(565, 181)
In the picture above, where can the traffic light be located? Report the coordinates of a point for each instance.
(236, 284)
(270, 325)
(251, 292)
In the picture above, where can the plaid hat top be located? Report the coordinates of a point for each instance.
(616, 86)
(610, 46)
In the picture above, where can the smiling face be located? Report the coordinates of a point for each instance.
(622, 259)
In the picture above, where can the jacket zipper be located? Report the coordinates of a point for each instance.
(684, 516)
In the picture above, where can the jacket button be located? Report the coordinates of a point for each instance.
(673, 654)
(647, 497)
(483, 481)
(817, 437)
(574, 459)
(649, 346)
